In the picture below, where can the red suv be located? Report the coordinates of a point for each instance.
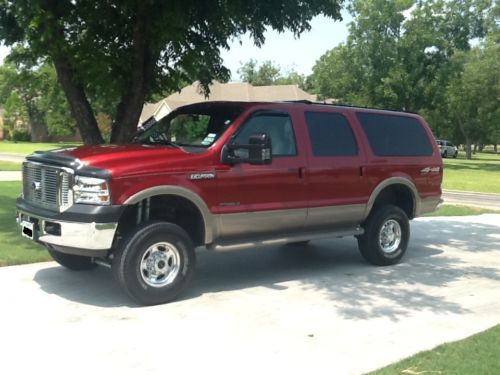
(222, 173)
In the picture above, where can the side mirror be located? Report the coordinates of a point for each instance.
(258, 151)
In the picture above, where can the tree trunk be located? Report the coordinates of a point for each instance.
(468, 141)
(495, 148)
(78, 102)
(73, 89)
(37, 125)
(129, 109)
(39, 132)
(468, 148)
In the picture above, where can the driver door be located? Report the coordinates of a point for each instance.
(260, 200)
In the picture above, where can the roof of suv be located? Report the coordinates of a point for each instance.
(303, 103)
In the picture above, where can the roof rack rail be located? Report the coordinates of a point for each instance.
(347, 106)
(303, 101)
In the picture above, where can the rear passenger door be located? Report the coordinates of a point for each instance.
(338, 192)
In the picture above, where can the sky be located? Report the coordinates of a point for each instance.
(282, 49)
(3, 52)
(286, 51)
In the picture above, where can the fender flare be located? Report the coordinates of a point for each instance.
(208, 218)
(393, 181)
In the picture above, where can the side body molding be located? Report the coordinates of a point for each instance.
(393, 181)
(208, 218)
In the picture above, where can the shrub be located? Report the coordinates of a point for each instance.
(20, 136)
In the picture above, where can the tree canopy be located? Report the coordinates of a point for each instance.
(116, 54)
(268, 73)
(425, 56)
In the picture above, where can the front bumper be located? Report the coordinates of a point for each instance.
(84, 229)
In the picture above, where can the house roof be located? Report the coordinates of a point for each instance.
(240, 91)
(233, 91)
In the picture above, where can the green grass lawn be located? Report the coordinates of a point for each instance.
(15, 249)
(481, 174)
(9, 166)
(26, 148)
(478, 354)
(456, 210)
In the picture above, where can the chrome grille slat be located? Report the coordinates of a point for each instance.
(46, 186)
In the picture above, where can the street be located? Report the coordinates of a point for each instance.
(317, 309)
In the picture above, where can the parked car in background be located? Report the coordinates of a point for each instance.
(447, 148)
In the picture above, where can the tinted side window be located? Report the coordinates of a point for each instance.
(391, 135)
(331, 134)
(277, 126)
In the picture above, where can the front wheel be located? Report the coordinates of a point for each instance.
(387, 232)
(72, 262)
(155, 263)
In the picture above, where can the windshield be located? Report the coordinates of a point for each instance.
(194, 126)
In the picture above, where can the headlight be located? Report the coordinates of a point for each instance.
(91, 190)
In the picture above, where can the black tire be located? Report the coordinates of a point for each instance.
(445, 154)
(72, 262)
(455, 155)
(370, 242)
(164, 247)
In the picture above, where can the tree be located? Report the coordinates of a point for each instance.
(268, 74)
(398, 52)
(126, 51)
(34, 98)
(473, 95)
(265, 75)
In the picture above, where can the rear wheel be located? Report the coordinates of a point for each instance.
(455, 155)
(72, 262)
(445, 154)
(387, 232)
(155, 263)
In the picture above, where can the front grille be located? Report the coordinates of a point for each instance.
(46, 186)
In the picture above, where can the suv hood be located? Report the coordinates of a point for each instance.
(130, 159)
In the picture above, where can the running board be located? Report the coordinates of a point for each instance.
(280, 240)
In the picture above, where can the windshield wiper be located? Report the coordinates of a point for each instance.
(166, 142)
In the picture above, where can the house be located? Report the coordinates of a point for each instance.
(233, 91)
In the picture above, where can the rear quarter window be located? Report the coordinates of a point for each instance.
(392, 135)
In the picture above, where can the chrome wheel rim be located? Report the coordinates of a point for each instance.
(160, 264)
(390, 236)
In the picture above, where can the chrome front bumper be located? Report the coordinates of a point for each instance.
(89, 236)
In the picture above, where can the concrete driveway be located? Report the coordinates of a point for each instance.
(316, 309)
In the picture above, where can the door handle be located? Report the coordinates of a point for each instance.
(301, 171)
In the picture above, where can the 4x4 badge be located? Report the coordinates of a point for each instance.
(430, 169)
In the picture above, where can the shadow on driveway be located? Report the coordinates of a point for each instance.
(440, 253)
